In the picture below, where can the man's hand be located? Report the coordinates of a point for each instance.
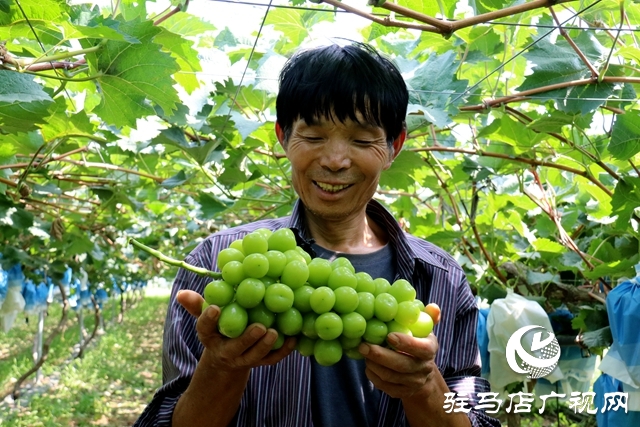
(403, 372)
(406, 371)
(252, 348)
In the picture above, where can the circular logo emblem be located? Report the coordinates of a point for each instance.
(540, 359)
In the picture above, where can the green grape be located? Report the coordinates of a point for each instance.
(282, 240)
(261, 314)
(233, 273)
(419, 303)
(327, 353)
(346, 300)
(394, 326)
(264, 232)
(408, 313)
(402, 291)
(255, 265)
(329, 326)
(279, 342)
(305, 255)
(322, 299)
(353, 353)
(305, 346)
(218, 293)
(289, 322)
(250, 292)
(254, 243)
(382, 285)
(268, 281)
(365, 282)
(348, 343)
(237, 245)
(295, 274)
(301, 297)
(385, 307)
(205, 304)
(423, 327)
(342, 276)
(278, 298)
(366, 303)
(277, 261)
(293, 255)
(319, 271)
(353, 325)
(228, 254)
(309, 325)
(342, 262)
(376, 331)
(233, 320)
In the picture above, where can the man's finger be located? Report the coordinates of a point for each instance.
(420, 348)
(207, 324)
(191, 301)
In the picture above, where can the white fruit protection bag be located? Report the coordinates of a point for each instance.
(506, 316)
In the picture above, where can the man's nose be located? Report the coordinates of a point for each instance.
(335, 155)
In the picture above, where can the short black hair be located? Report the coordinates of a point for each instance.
(337, 82)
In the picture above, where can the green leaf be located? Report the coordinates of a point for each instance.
(591, 318)
(46, 10)
(60, 124)
(175, 181)
(210, 205)
(552, 121)
(102, 31)
(13, 215)
(626, 198)
(131, 74)
(23, 103)
(186, 57)
(552, 63)
(598, 339)
(174, 137)
(534, 278)
(398, 176)
(625, 135)
(546, 245)
(20, 142)
(434, 88)
(516, 134)
(187, 25)
(615, 268)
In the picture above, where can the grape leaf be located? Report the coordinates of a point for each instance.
(399, 174)
(186, 57)
(130, 75)
(434, 87)
(46, 10)
(186, 25)
(23, 103)
(625, 135)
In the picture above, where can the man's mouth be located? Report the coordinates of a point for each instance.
(331, 188)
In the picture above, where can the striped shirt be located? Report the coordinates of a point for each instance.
(279, 395)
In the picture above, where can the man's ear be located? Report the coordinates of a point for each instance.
(396, 147)
(280, 135)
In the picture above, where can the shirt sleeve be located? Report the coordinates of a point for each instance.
(463, 375)
(181, 348)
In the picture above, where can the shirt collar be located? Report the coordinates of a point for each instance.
(406, 256)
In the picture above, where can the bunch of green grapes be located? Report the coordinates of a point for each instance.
(331, 309)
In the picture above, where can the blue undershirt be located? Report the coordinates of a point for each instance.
(342, 395)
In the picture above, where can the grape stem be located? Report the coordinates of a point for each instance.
(172, 261)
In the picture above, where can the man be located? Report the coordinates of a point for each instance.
(340, 120)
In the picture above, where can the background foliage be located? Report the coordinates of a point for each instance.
(522, 157)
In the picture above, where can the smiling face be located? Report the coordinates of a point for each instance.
(336, 166)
